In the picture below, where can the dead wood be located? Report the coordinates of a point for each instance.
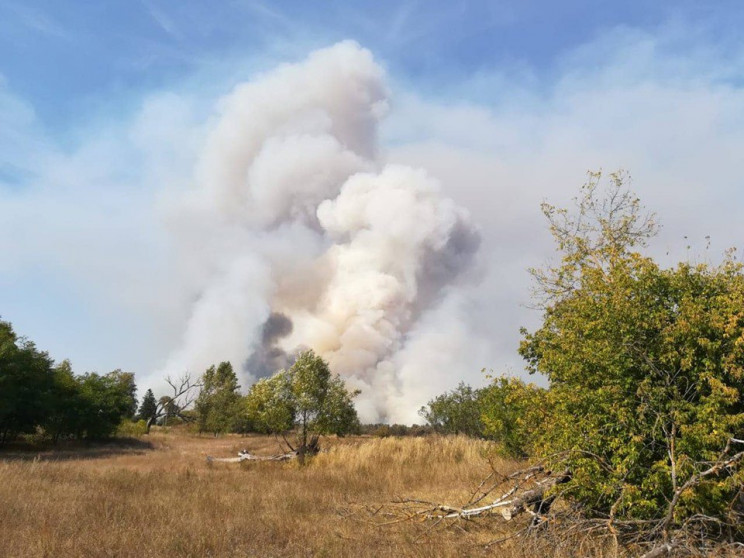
(246, 456)
(536, 497)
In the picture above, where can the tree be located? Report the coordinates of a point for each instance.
(455, 412)
(512, 412)
(105, 402)
(218, 404)
(306, 398)
(646, 370)
(26, 380)
(183, 390)
(65, 412)
(148, 407)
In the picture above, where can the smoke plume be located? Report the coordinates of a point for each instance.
(296, 234)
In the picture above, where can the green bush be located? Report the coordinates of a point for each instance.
(131, 429)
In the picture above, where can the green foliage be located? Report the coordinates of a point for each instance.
(507, 411)
(218, 404)
(26, 384)
(307, 397)
(35, 394)
(149, 406)
(103, 402)
(132, 429)
(456, 412)
(646, 365)
(512, 413)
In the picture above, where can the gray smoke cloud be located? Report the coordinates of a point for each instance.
(296, 234)
(268, 356)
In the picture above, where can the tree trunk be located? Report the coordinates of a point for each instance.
(535, 497)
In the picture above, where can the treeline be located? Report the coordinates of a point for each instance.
(509, 411)
(301, 403)
(39, 396)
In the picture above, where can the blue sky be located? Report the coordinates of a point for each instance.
(70, 60)
(104, 107)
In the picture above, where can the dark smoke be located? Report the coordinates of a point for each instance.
(442, 267)
(268, 358)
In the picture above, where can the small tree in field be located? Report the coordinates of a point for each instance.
(308, 399)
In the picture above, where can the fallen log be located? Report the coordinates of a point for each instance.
(246, 456)
(535, 497)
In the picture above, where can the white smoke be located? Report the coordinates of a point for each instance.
(297, 235)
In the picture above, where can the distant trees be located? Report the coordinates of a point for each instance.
(508, 411)
(456, 412)
(183, 391)
(104, 401)
(306, 399)
(35, 394)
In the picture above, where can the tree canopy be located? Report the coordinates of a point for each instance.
(307, 398)
(645, 364)
(36, 394)
(218, 404)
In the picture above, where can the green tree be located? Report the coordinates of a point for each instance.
(308, 399)
(512, 412)
(218, 404)
(646, 368)
(149, 406)
(26, 383)
(64, 414)
(105, 402)
(455, 412)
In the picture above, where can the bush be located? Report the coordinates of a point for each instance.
(131, 429)
(646, 370)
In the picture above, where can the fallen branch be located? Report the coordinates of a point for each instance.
(535, 497)
(246, 456)
(514, 505)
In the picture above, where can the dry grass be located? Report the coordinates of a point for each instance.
(163, 499)
(160, 497)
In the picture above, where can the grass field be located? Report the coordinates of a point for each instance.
(159, 497)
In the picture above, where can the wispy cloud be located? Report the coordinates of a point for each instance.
(162, 19)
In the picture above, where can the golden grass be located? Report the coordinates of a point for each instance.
(161, 498)
(168, 501)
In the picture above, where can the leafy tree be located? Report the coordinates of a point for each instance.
(306, 398)
(455, 412)
(148, 407)
(646, 368)
(512, 412)
(218, 404)
(64, 414)
(26, 381)
(36, 394)
(105, 402)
